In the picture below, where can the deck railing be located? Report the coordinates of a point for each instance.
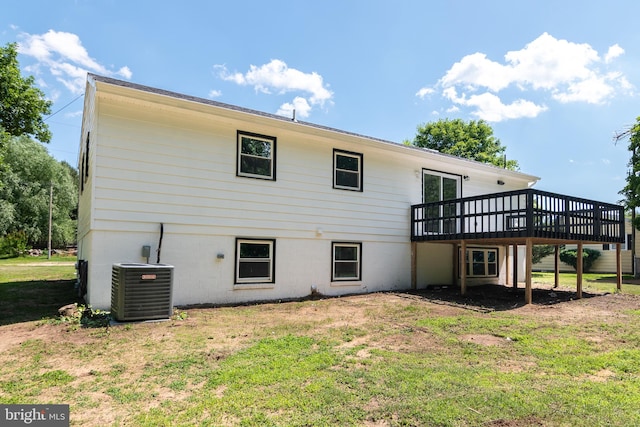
(517, 214)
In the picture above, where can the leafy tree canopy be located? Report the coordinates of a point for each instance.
(472, 140)
(26, 176)
(22, 105)
(631, 190)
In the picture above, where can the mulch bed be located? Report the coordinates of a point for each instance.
(488, 298)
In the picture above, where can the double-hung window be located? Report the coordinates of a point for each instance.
(347, 170)
(256, 156)
(255, 261)
(346, 264)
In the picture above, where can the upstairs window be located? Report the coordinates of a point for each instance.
(347, 170)
(256, 156)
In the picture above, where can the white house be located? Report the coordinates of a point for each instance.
(251, 206)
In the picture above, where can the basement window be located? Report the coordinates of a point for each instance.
(346, 261)
(255, 260)
(482, 262)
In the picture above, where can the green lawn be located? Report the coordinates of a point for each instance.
(590, 282)
(371, 360)
(35, 287)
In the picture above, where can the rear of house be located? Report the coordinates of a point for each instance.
(250, 206)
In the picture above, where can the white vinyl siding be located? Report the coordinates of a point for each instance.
(158, 160)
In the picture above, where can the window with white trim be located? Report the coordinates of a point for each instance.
(255, 261)
(346, 261)
(347, 170)
(256, 156)
(481, 262)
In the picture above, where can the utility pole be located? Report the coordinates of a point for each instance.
(50, 217)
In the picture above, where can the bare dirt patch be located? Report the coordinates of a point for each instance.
(363, 323)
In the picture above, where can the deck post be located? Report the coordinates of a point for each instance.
(414, 265)
(618, 267)
(463, 272)
(556, 265)
(529, 265)
(515, 266)
(579, 271)
(508, 268)
(456, 263)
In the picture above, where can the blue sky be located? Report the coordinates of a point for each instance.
(554, 79)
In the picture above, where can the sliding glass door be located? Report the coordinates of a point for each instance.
(439, 187)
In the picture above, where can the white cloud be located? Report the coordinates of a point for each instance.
(277, 77)
(64, 56)
(476, 70)
(613, 52)
(213, 93)
(490, 108)
(424, 92)
(563, 70)
(299, 104)
(591, 90)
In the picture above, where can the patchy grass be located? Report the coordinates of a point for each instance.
(371, 360)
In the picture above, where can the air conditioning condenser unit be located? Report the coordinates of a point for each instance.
(141, 291)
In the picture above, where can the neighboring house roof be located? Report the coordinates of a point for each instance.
(189, 98)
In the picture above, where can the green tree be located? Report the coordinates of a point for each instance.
(22, 105)
(631, 190)
(472, 140)
(27, 175)
(541, 251)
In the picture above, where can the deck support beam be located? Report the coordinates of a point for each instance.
(507, 265)
(579, 271)
(556, 267)
(414, 265)
(456, 263)
(515, 266)
(463, 262)
(619, 266)
(529, 265)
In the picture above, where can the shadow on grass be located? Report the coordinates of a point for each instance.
(35, 300)
(487, 298)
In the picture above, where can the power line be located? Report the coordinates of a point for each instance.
(74, 100)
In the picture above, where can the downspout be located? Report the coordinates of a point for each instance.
(160, 242)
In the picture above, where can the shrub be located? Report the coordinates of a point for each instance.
(13, 244)
(541, 251)
(589, 256)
